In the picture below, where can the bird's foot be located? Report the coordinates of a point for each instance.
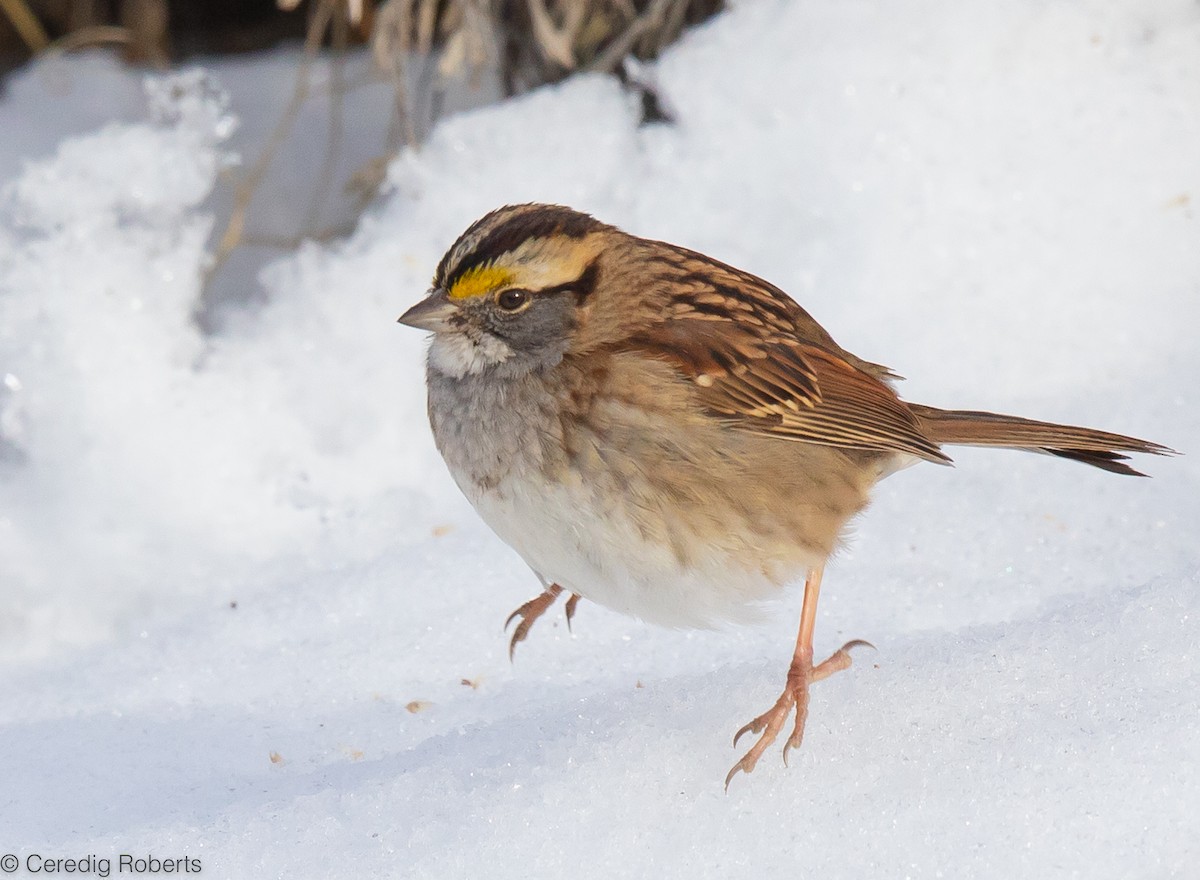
(532, 610)
(794, 697)
(572, 602)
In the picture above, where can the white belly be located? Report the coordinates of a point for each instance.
(606, 556)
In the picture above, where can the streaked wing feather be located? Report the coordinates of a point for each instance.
(764, 365)
(783, 387)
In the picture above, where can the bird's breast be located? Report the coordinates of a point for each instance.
(679, 520)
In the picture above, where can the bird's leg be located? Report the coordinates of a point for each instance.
(535, 608)
(795, 693)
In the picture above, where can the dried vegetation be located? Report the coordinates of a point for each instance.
(418, 46)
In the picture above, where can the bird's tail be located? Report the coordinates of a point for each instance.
(1097, 448)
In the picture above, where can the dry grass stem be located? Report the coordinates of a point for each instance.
(524, 42)
(557, 43)
(26, 24)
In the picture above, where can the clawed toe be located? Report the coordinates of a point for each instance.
(520, 632)
(532, 610)
(523, 612)
(794, 698)
(743, 766)
(755, 726)
(838, 660)
(768, 725)
(797, 736)
(858, 643)
(571, 604)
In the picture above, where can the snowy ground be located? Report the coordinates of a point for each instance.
(233, 565)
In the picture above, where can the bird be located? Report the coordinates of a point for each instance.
(674, 438)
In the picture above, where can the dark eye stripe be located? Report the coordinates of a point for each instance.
(582, 286)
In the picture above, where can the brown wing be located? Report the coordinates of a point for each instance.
(774, 370)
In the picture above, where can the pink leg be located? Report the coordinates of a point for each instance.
(795, 692)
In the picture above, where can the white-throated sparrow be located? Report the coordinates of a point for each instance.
(669, 436)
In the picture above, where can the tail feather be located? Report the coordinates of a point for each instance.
(1098, 448)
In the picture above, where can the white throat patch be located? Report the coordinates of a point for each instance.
(457, 355)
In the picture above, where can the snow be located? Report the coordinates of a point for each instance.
(247, 618)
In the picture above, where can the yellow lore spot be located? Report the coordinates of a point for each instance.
(479, 281)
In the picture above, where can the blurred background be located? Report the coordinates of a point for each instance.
(329, 91)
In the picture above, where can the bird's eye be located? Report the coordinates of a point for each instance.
(512, 300)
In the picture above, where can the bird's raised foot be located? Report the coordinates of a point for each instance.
(532, 610)
(794, 696)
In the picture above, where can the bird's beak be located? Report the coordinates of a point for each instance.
(432, 313)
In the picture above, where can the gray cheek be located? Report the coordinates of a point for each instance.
(541, 332)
